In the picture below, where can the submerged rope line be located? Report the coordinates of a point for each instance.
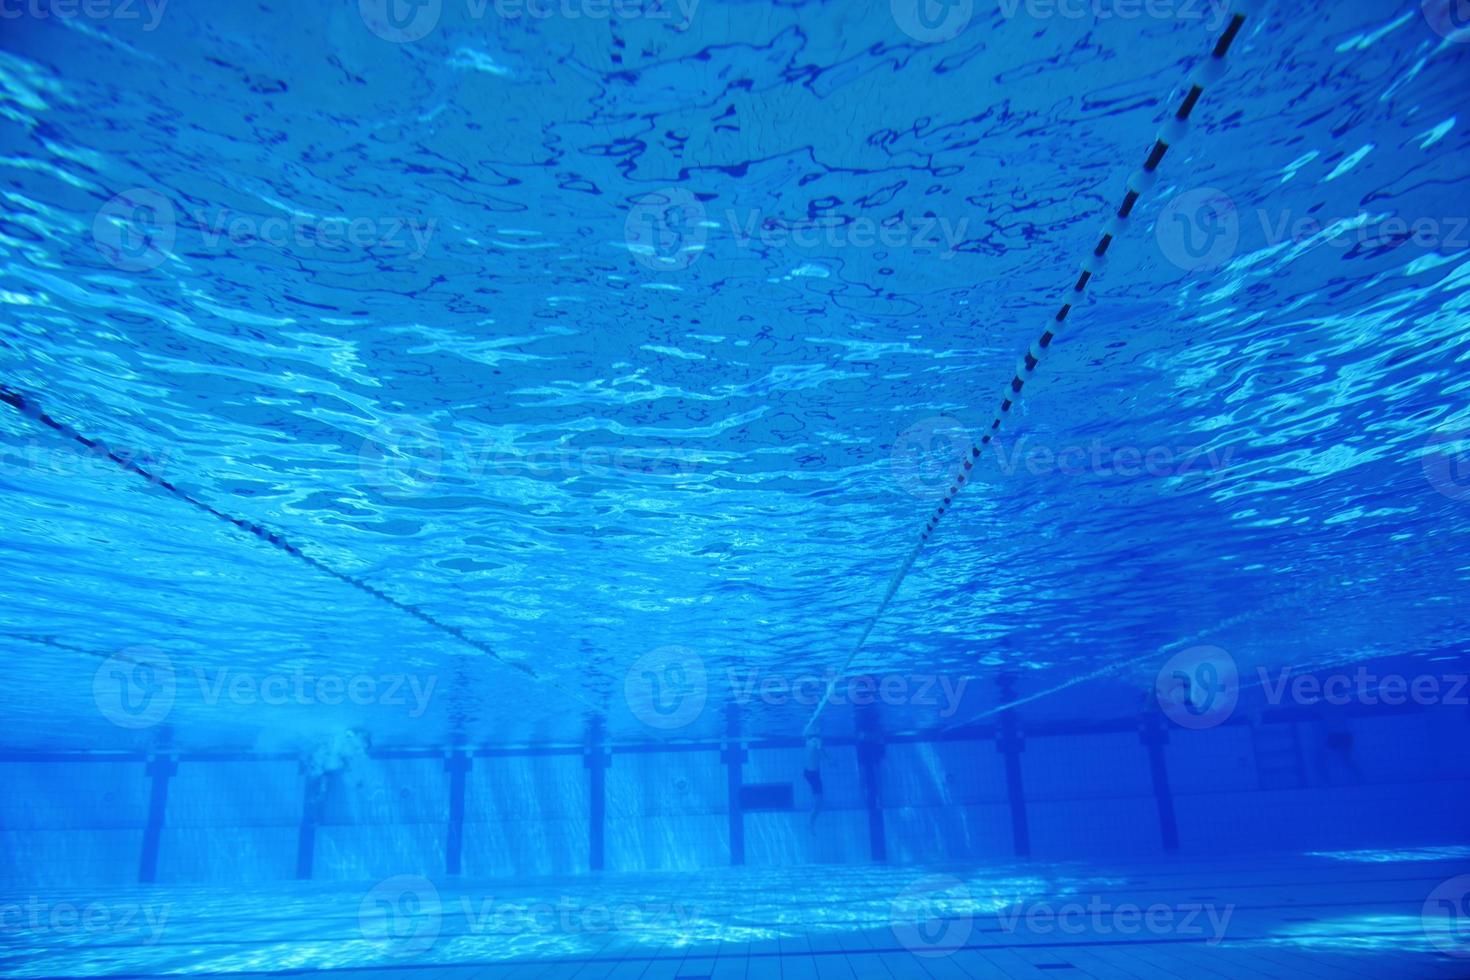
(51, 641)
(29, 407)
(1205, 74)
(1315, 590)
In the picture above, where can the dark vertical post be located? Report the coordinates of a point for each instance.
(306, 833)
(870, 753)
(160, 768)
(1154, 736)
(870, 756)
(733, 754)
(596, 760)
(1010, 743)
(458, 767)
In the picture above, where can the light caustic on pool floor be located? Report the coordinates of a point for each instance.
(1374, 914)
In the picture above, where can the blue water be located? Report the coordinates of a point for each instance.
(557, 376)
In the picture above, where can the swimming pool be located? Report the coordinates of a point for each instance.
(459, 451)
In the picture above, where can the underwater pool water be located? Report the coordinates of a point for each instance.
(1286, 917)
(451, 443)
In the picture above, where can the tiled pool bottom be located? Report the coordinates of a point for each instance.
(1352, 915)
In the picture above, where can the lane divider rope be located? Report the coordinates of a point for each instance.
(31, 409)
(1318, 592)
(1204, 75)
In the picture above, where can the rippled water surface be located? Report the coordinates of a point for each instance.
(592, 336)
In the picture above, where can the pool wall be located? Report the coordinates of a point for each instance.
(1249, 786)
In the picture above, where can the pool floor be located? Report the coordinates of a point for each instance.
(1350, 915)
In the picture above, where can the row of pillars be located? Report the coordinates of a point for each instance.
(1010, 742)
(734, 755)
